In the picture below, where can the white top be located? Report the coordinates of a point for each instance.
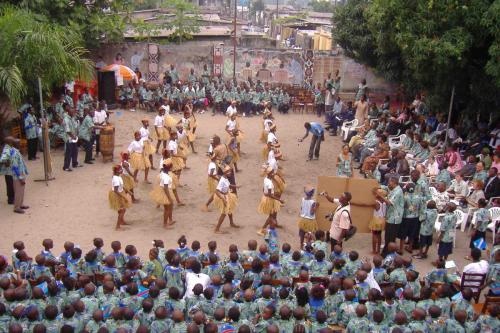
(144, 133)
(166, 108)
(305, 209)
(181, 135)
(99, 116)
(172, 146)
(273, 163)
(271, 138)
(495, 140)
(340, 221)
(117, 181)
(380, 212)
(136, 147)
(223, 185)
(268, 185)
(211, 166)
(210, 149)
(185, 122)
(165, 179)
(231, 125)
(267, 124)
(480, 267)
(231, 110)
(159, 121)
(193, 279)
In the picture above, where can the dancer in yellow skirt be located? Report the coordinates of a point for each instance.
(183, 143)
(160, 129)
(225, 200)
(272, 141)
(234, 150)
(192, 119)
(278, 179)
(270, 203)
(267, 123)
(188, 129)
(212, 182)
(128, 178)
(178, 159)
(138, 159)
(117, 199)
(232, 126)
(162, 194)
(165, 157)
(149, 149)
(307, 221)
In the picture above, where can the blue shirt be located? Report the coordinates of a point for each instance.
(316, 129)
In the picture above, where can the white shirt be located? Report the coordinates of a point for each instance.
(165, 179)
(100, 117)
(211, 166)
(268, 185)
(273, 163)
(144, 133)
(193, 279)
(305, 209)
(231, 110)
(172, 146)
(117, 181)
(231, 125)
(185, 122)
(181, 135)
(159, 121)
(136, 147)
(340, 221)
(271, 138)
(267, 124)
(223, 185)
(380, 212)
(480, 267)
(166, 108)
(337, 106)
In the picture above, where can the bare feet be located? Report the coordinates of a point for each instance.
(172, 222)
(232, 225)
(279, 226)
(238, 171)
(135, 200)
(205, 209)
(220, 232)
(147, 181)
(180, 204)
(152, 168)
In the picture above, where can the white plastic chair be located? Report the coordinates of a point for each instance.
(404, 180)
(347, 127)
(495, 218)
(491, 200)
(396, 141)
(461, 219)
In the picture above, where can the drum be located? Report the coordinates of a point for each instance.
(107, 142)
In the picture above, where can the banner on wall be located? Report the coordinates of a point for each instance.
(218, 57)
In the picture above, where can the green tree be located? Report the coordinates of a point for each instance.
(185, 19)
(97, 20)
(323, 6)
(426, 45)
(32, 48)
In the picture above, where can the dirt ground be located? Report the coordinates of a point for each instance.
(74, 206)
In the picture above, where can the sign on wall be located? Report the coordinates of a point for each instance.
(218, 59)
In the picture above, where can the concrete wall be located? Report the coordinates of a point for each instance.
(194, 54)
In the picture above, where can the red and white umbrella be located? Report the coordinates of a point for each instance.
(123, 71)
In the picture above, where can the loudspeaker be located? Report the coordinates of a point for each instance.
(107, 86)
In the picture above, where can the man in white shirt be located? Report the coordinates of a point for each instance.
(231, 109)
(194, 278)
(100, 119)
(477, 266)
(341, 218)
(458, 187)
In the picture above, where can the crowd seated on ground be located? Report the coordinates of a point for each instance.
(185, 289)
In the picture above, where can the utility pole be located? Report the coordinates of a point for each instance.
(234, 39)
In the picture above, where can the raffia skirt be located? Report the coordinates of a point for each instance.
(279, 184)
(177, 163)
(263, 136)
(159, 196)
(232, 202)
(211, 185)
(265, 152)
(128, 182)
(191, 136)
(117, 202)
(162, 134)
(170, 122)
(268, 206)
(139, 161)
(377, 223)
(193, 122)
(149, 149)
(307, 225)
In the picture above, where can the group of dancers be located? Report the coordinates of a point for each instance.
(175, 140)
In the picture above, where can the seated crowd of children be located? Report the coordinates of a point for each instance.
(254, 290)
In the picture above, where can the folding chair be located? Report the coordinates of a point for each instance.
(347, 126)
(396, 141)
(495, 218)
(490, 300)
(473, 281)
